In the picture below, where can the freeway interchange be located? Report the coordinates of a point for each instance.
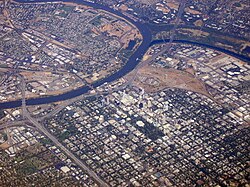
(27, 118)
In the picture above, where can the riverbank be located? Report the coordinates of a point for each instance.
(129, 66)
(236, 55)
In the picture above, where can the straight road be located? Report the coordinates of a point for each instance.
(42, 129)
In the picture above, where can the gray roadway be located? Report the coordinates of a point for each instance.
(42, 129)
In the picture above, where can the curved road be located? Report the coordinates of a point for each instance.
(129, 66)
(43, 130)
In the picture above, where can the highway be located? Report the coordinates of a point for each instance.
(43, 130)
(14, 124)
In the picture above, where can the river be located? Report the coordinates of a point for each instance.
(128, 67)
(241, 57)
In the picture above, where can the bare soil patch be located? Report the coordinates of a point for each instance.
(154, 79)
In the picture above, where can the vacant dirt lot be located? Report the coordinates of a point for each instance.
(155, 79)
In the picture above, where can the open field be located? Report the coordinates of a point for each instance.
(156, 79)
